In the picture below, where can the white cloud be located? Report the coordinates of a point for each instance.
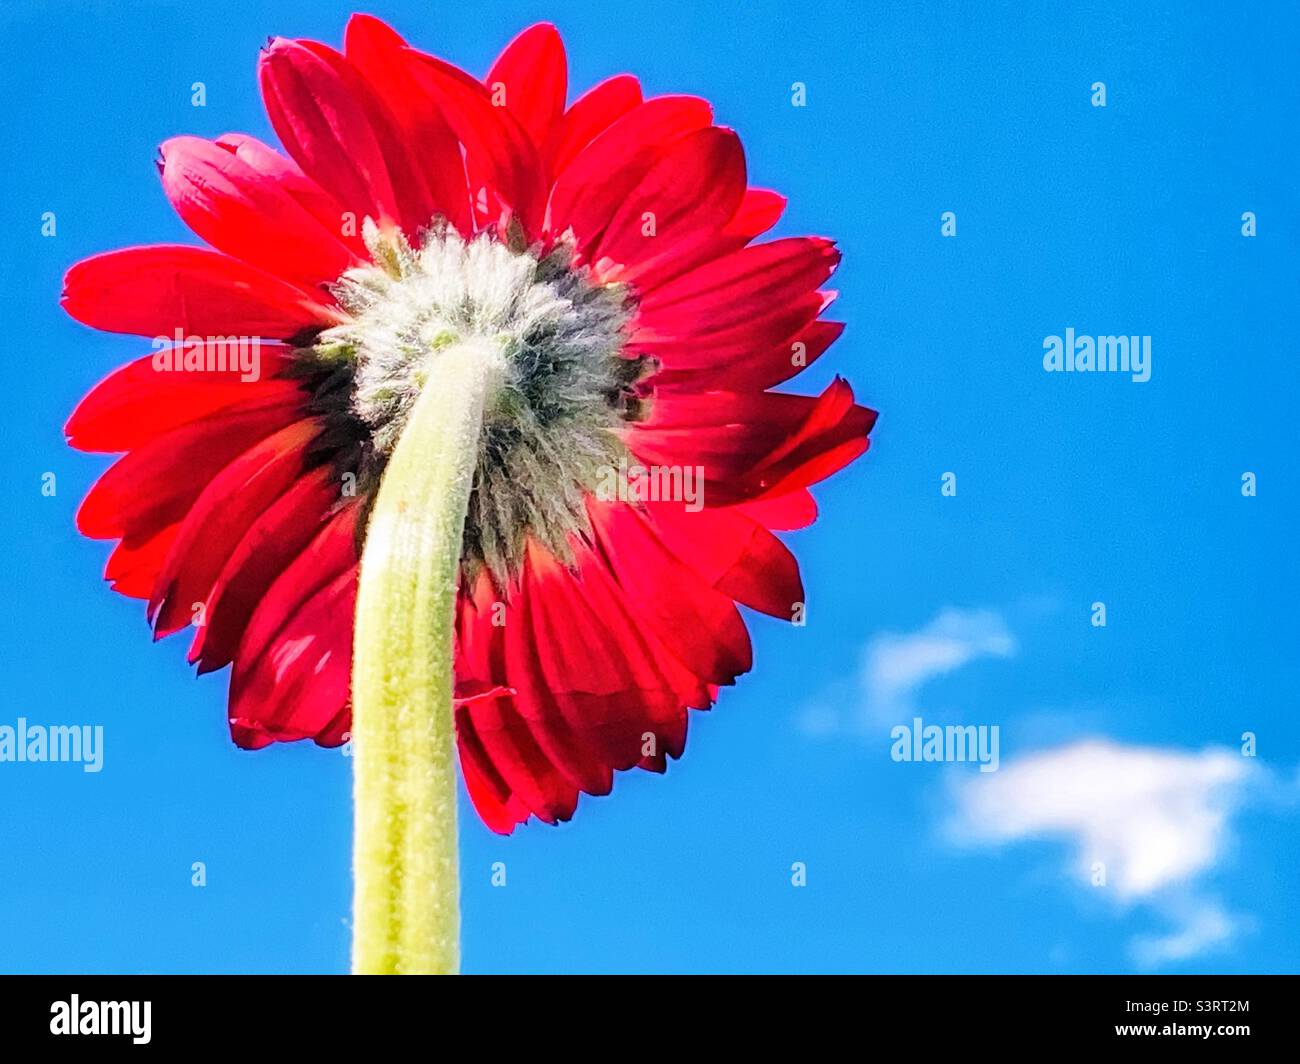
(1154, 819)
(1202, 926)
(896, 665)
(1154, 816)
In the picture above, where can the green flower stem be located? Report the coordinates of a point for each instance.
(406, 910)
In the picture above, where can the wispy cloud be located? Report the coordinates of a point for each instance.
(1201, 926)
(896, 665)
(1143, 822)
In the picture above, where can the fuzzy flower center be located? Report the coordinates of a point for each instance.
(552, 430)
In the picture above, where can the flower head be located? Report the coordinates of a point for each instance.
(633, 460)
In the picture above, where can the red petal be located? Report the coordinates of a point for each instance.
(493, 735)
(592, 188)
(143, 399)
(591, 114)
(495, 727)
(736, 307)
(734, 554)
(323, 123)
(299, 687)
(689, 194)
(533, 73)
(699, 626)
(729, 288)
(381, 56)
(236, 210)
(155, 291)
(223, 512)
(492, 797)
(494, 141)
(331, 553)
(135, 562)
(754, 444)
(797, 509)
(580, 689)
(583, 668)
(154, 485)
(269, 546)
(758, 212)
(287, 175)
(683, 346)
(414, 199)
(545, 697)
(755, 368)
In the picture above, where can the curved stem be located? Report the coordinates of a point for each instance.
(406, 915)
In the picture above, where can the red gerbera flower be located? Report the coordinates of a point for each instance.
(627, 481)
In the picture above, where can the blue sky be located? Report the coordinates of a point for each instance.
(1119, 744)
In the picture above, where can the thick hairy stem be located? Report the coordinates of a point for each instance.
(406, 916)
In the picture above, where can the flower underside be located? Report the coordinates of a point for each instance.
(464, 403)
(554, 426)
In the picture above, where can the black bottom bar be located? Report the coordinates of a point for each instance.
(598, 1016)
